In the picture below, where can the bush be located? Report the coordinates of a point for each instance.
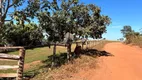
(17, 35)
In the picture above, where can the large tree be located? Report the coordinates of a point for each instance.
(71, 17)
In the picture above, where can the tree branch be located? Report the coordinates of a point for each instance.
(4, 15)
(8, 6)
(12, 4)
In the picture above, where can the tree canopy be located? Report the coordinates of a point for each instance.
(57, 18)
(126, 29)
(73, 17)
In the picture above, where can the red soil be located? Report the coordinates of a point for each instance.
(126, 64)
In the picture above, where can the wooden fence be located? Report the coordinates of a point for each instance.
(89, 44)
(20, 58)
(19, 67)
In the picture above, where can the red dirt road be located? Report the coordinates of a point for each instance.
(126, 64)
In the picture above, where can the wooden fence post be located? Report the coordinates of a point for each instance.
(21, 64)
(86, 44)
(82, 43)
(69, 52)
(89, 44)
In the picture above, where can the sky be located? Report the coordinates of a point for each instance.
(121, 12)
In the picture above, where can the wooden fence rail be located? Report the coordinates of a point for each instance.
(21, 56)
(90, 44)
(19, 66)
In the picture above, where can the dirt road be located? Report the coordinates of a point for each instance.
(126, 64)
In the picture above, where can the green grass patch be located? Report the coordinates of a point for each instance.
(32, 55)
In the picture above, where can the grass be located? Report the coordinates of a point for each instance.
(135, 41)
(138, 41)
(32, 55)
(64, 72)
(100, 46)
(40, 54)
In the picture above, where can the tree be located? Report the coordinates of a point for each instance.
(74, 18)
(130, 34)
(15, 11)
(5, 6)
(19, 14)
(126, 30)
(15, 35)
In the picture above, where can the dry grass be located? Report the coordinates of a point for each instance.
(65, 72)
(135, 41)
(138, 42)
(61, 73)
(102, 44)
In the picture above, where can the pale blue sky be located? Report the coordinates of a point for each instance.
(122, 12)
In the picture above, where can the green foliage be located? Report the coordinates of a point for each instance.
(20, 15)
(130, 35)
(57, 19)
(126, 30)
(16, 35)
(73, 17)
(6, 6)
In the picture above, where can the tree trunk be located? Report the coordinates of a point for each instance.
(82, 45)
(69, 52)
(53, 57)
(86, 44)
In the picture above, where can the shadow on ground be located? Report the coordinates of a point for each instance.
(61, 59)
(95, 52)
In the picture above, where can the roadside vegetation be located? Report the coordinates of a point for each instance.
(87, 60)
(132, 37)
(62, 22)
(38, 61)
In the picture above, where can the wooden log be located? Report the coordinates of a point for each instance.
(10, 60)
(18, 47)
(9, 56)
(21, 64)
(5, 67)
(77, 42)
(5, 75)
(58, 44)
